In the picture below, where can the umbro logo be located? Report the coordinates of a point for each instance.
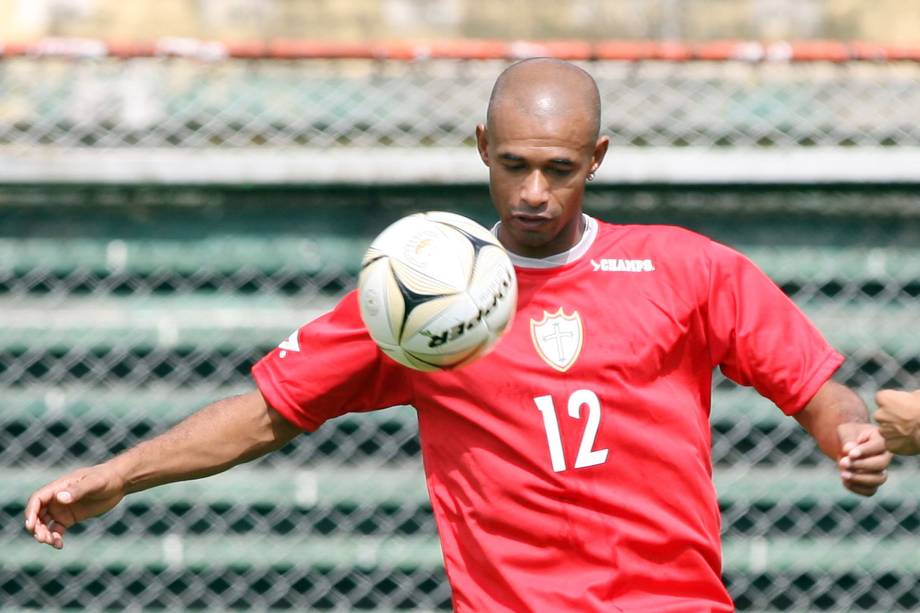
(620, 265)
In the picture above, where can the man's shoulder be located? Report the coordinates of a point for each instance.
(674, 255)
(654, 235)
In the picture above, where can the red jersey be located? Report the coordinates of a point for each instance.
(570, 468)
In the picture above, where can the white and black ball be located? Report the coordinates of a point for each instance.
(436, 290)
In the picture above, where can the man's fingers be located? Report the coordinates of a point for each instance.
(50, 533)
(873, 478)
(57, 530)
(42, 534)
(864, 461)
(47, 514)
(36, 502)
(37, 507)
(871, 464)
(862, 442)
(873, 448)
(863, 480)
(864, 484)
(43, 527)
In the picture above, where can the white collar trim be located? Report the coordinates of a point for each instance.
(580, 248)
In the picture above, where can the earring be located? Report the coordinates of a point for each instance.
(591, 176)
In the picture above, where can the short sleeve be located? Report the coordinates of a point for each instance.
(759, 337)
(330, 367)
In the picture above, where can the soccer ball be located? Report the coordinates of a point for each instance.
(436, 291)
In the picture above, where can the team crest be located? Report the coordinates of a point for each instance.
(557, 338)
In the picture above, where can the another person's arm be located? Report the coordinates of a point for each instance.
(898, 417)
(839, 421)
(219, 436)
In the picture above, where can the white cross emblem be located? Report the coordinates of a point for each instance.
(557, 338)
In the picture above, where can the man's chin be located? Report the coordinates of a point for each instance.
(528, 243)
(531, 238)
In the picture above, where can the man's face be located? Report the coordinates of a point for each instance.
(538, 166)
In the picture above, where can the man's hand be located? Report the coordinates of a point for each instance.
(864, 461)
(898, 417)
(84, 493)
(221, 435)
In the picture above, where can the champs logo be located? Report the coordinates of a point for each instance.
(558, 338)
(620, 265)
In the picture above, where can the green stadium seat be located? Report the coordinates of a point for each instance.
(231, 253)
(215, 321)
(350, 500)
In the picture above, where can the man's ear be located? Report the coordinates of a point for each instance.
(600, 150)
(482, 143)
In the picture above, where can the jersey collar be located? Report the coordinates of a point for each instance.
(559, 259)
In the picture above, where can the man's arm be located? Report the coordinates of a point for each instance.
(839, 421)
(219, 436)
(898, 418)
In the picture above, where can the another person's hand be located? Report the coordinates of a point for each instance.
(864, 460)
(898, 417)
(84, 493)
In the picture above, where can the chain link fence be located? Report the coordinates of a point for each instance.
(123, 309)
(177, 102)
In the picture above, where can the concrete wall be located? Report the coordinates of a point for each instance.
(891, 21)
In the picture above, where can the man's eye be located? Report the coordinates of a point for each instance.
(514, 167)
(561, 172)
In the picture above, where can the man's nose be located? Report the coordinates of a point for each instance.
(535, 190)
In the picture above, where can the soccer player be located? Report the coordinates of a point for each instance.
(570, 469)
(898, 417)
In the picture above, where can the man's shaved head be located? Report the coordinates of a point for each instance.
(547, 87)
(541, 143)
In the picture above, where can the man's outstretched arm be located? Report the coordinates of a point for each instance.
(839, 421)
(221, 435)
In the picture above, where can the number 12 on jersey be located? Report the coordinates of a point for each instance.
(587, 455)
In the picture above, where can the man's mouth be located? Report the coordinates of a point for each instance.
(528, 221)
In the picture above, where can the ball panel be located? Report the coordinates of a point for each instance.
(441, 325)
(454, 280)
(372, 254)
(493, 288)
(451, 340)
(464, 223)
(418, 364)
(391, 240)
(398, 355)
(493, 277)
(429, 258)
(381, 302)
(499, 319)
